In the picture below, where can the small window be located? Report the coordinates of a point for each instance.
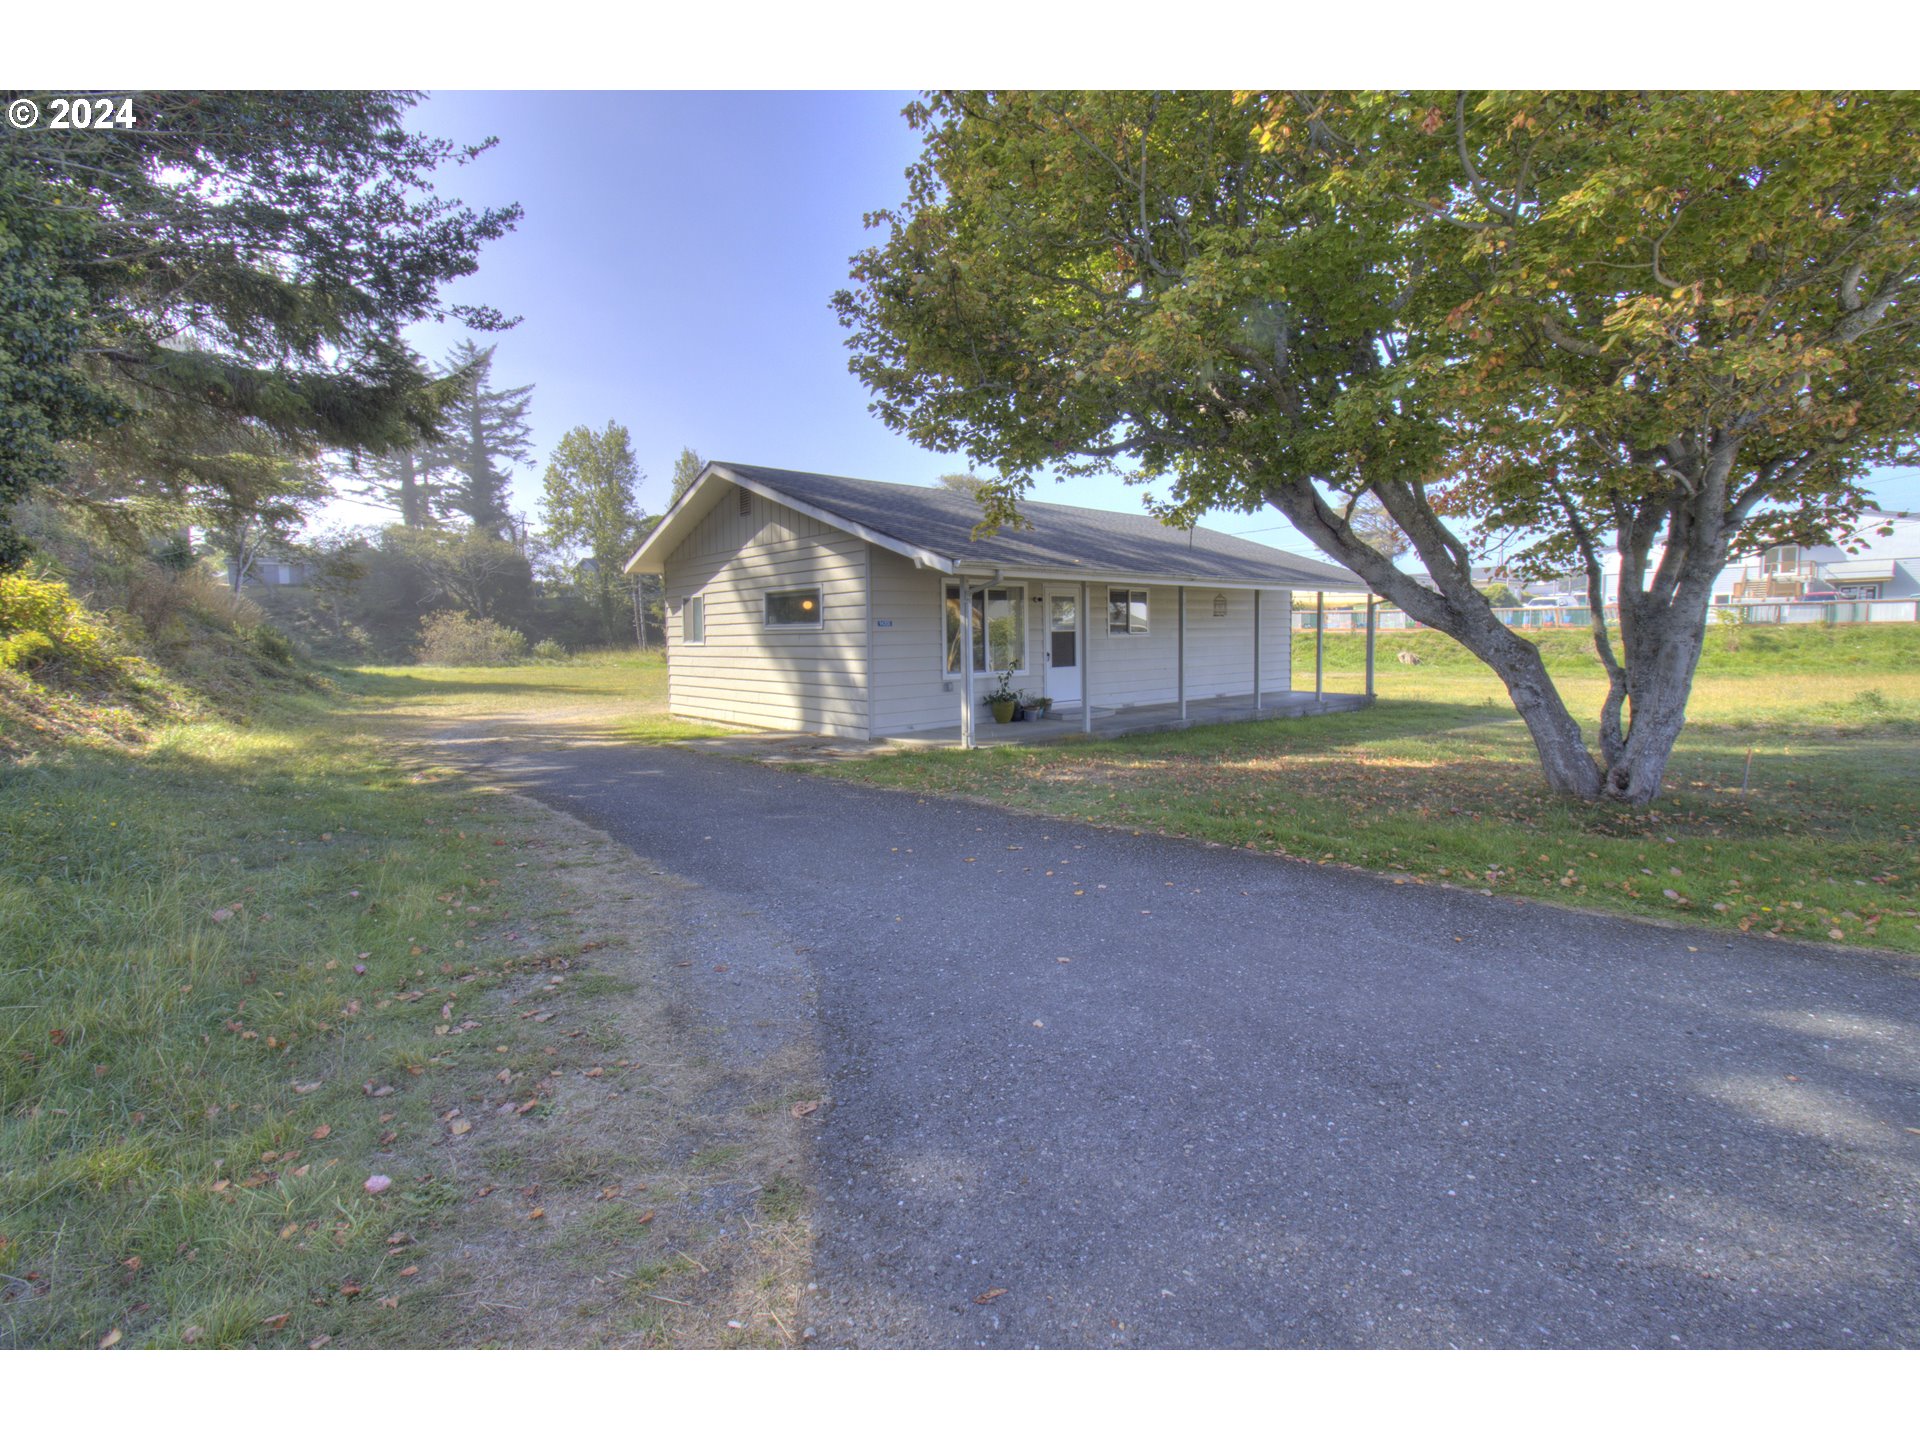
(693, 620)
(1126, 612)
(793, 607)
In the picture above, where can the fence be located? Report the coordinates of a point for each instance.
(1772, 612)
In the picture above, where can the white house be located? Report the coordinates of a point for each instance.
(854, 608)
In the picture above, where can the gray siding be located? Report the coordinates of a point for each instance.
(909, 691)
(746, 673)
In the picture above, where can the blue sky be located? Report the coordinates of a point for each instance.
(673, 272)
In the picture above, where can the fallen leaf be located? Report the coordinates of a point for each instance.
(804, 1109)
(321, 1132)
(460, 1127)
(317, 1341)
(537, 1213)
(409, 1272)
(277, 1322)
(377, 1183)
(110, 1339)
(990, 1296)
(192, 1335)
(305, 1087)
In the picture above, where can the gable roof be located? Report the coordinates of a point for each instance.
(933, 526)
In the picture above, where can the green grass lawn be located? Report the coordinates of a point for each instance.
(1439, 784)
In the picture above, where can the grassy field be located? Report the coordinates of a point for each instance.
(1792, 806)
(251, 966)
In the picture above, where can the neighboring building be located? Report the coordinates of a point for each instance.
(1864, 565)
(854, 608)
(271, 573)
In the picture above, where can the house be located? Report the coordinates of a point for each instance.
(1876, 558)
(855, 608)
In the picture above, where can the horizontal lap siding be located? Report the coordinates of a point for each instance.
(1121, 670)
(746, 673)
(909, 654)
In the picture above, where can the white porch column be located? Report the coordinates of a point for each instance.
(1371, 629)
(1256, 652)
(1180, 652)
(966, 665)
(1086, 663)
(1319, 641)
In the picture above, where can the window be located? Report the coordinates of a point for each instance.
(746, 501)
(999, 629)
(693, 620)
(793, 607)
(1126, 612)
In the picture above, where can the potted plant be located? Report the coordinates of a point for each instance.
(1002, 699)
(1036, 706)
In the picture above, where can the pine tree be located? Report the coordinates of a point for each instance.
(486, 432)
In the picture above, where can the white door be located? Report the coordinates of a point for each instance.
(1063, 646)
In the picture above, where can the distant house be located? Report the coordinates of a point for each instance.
(855, 608)
(1863, 564)
(269, 572)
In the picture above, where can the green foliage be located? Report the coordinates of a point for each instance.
(42, 624)
(686, 470)
(1617, 319)
(486, 433)
(291, 234)
(449, 637)
(588, 506)
(550, 652)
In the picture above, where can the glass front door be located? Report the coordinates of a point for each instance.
(1063, 648)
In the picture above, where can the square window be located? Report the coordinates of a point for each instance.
(788, 608)
(1126, 612)
(693, 620)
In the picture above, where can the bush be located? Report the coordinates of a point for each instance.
(452, 637)
(44, 625)
(270, 645)
(551, 651)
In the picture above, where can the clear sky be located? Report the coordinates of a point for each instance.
(674, 268)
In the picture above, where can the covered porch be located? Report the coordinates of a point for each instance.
(1114, 716)
(1103, 722)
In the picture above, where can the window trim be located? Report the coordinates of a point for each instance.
(1146, 611)
(767, 622)
(1009, 589)
(687, 602)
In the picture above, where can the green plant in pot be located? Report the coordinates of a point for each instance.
(1036, 706)
(1002, 699)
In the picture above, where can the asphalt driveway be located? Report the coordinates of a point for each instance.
(1096, 1089)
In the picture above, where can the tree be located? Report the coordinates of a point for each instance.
(588, 507)
(487, 434)
(1674, 325)
(686, 470)
(962, 483)
(250, 256)
(1371, 523)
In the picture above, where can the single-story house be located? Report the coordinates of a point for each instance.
(854, 608)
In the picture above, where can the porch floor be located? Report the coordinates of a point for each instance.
(1112, 721)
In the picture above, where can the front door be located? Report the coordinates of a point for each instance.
(1063, 646)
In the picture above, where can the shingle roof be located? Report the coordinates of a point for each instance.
(1070, 538)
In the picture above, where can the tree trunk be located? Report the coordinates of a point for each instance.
(413, 509)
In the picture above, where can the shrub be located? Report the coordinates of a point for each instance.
(270, 645)
(550, 651)
(63, 631)
(452, 637)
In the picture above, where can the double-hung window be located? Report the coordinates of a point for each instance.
(1126, 612)
(999, 629)
(693, 620)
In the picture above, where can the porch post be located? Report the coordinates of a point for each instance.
(1256, 652)
(1180, 654)
(966, 665)
(1086, 663)
(1372, 628)
(1319, 642)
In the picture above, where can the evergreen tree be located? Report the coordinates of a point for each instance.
(486, 433)
(588, 507)
(291, 234)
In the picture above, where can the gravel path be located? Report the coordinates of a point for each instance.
(1145, 1092)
